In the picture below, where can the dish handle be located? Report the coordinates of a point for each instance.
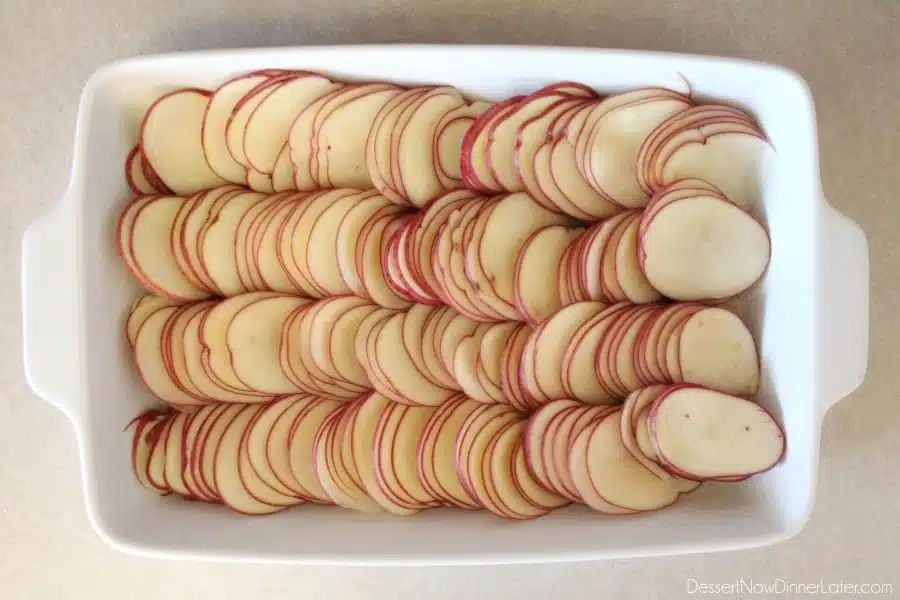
(843, 319)
(49, 297)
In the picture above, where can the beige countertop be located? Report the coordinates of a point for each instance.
(849, 52)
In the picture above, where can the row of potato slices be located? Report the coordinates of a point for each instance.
(590, 156)
(254, 347)
(373, 455)
(369, 455)
(489, 258)
(279, 130)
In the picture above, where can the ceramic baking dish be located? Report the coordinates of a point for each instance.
(810, 317)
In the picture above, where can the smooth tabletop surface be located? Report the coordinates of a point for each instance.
(848, 51)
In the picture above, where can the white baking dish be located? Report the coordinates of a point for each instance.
(810, 318)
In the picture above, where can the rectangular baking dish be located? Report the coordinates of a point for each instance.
(810, 318)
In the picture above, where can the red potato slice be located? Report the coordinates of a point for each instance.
(615, 475)
(237, 122)
(457, 329)
(610, 159)
(413, 330)
(140, 310)
(550, 179)
(502, 136)
(339, 156)
(258, 247)
(490, 365)
(582, 127)
(332, 337)
(263, 448)
(435, 455)
(448, 138)
(171, 141)
(534, 440)
(702, 434)
(629, 275)
(473, 278)
(333, 461)
(174, 351)
(393, 360)
(685, 188)
(658, 348)
(269, 124)
(244, 248)
(575, 195)
(465, 365)
(397, 437)
(507, 499)
(645, 445)
(380, 144)
(692, 117)
(363, 430)
(321, 259)
(369, 250)
(304, 141)
(218, 251)
(588, 264)
(637, 402)
(296, 358)
(621, 355)
(407, 267)
(541, 254)
(474, 167)
(608, 277)
(413, 155)
(581, 475)
(209, 439)
(218, 112)
(265, 240)
(447, 264)
(134, 174)
(716, 350)
(156, 462)
(279, 441)
(189, 449)
(726, 248)
(700, 155)
(144, 431)
(196, 371)
(560, 438)
(581, 379)
(252, 339)
(294, 239)
(476, 434)
(213, 337)
(531, 135)
(433, 217)
(150, 360)
(190, 222)
(142, 226)
(511, 222)
(173, 474)
(257, 487)
(313, 413)
(533, 492)
(432, 339)
(549, 344)
(511, 382)
(348, 237)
